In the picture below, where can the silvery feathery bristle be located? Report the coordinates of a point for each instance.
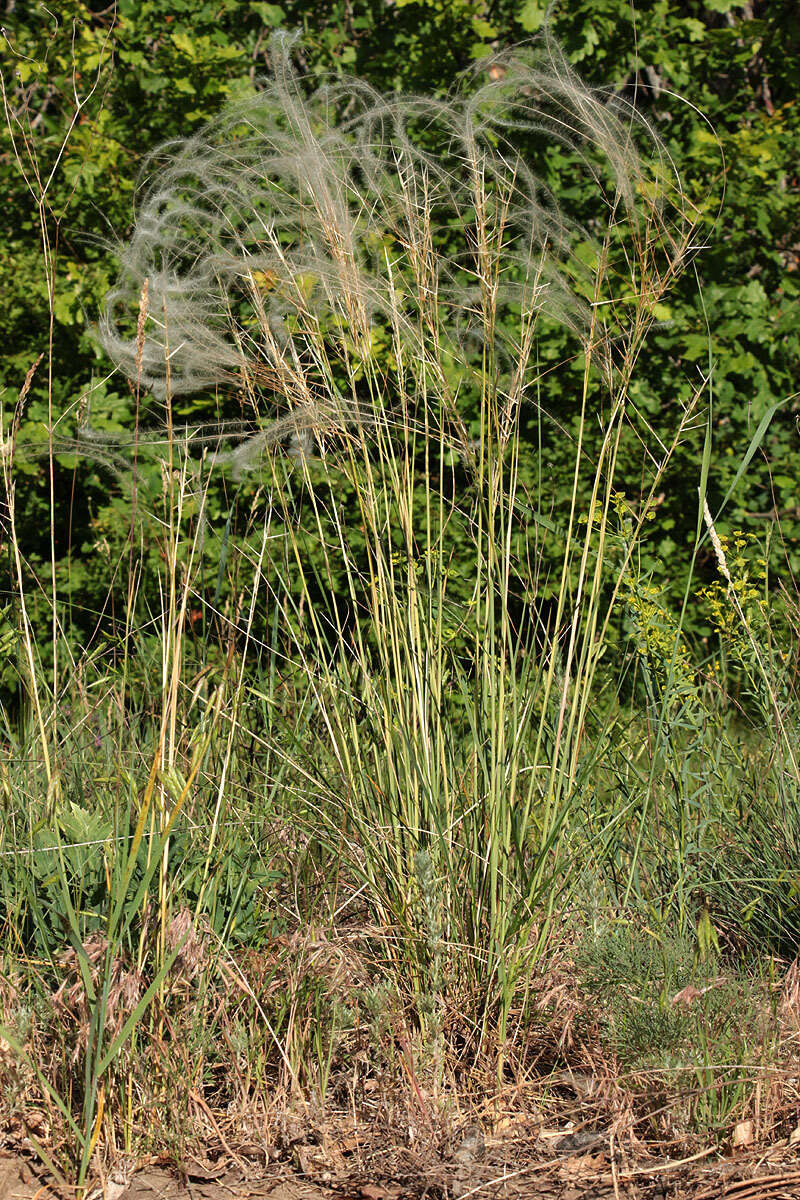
(296, 212)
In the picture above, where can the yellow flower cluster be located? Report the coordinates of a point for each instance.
(743, 594)
(660, 641)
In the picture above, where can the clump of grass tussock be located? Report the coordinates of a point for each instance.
(371, 265)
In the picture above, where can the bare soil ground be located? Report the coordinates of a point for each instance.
(513, 1167)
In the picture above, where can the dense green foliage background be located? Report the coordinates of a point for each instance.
(716, 79)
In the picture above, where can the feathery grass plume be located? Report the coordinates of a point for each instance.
(299, 230)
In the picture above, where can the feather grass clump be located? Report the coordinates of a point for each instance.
(300, 229)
